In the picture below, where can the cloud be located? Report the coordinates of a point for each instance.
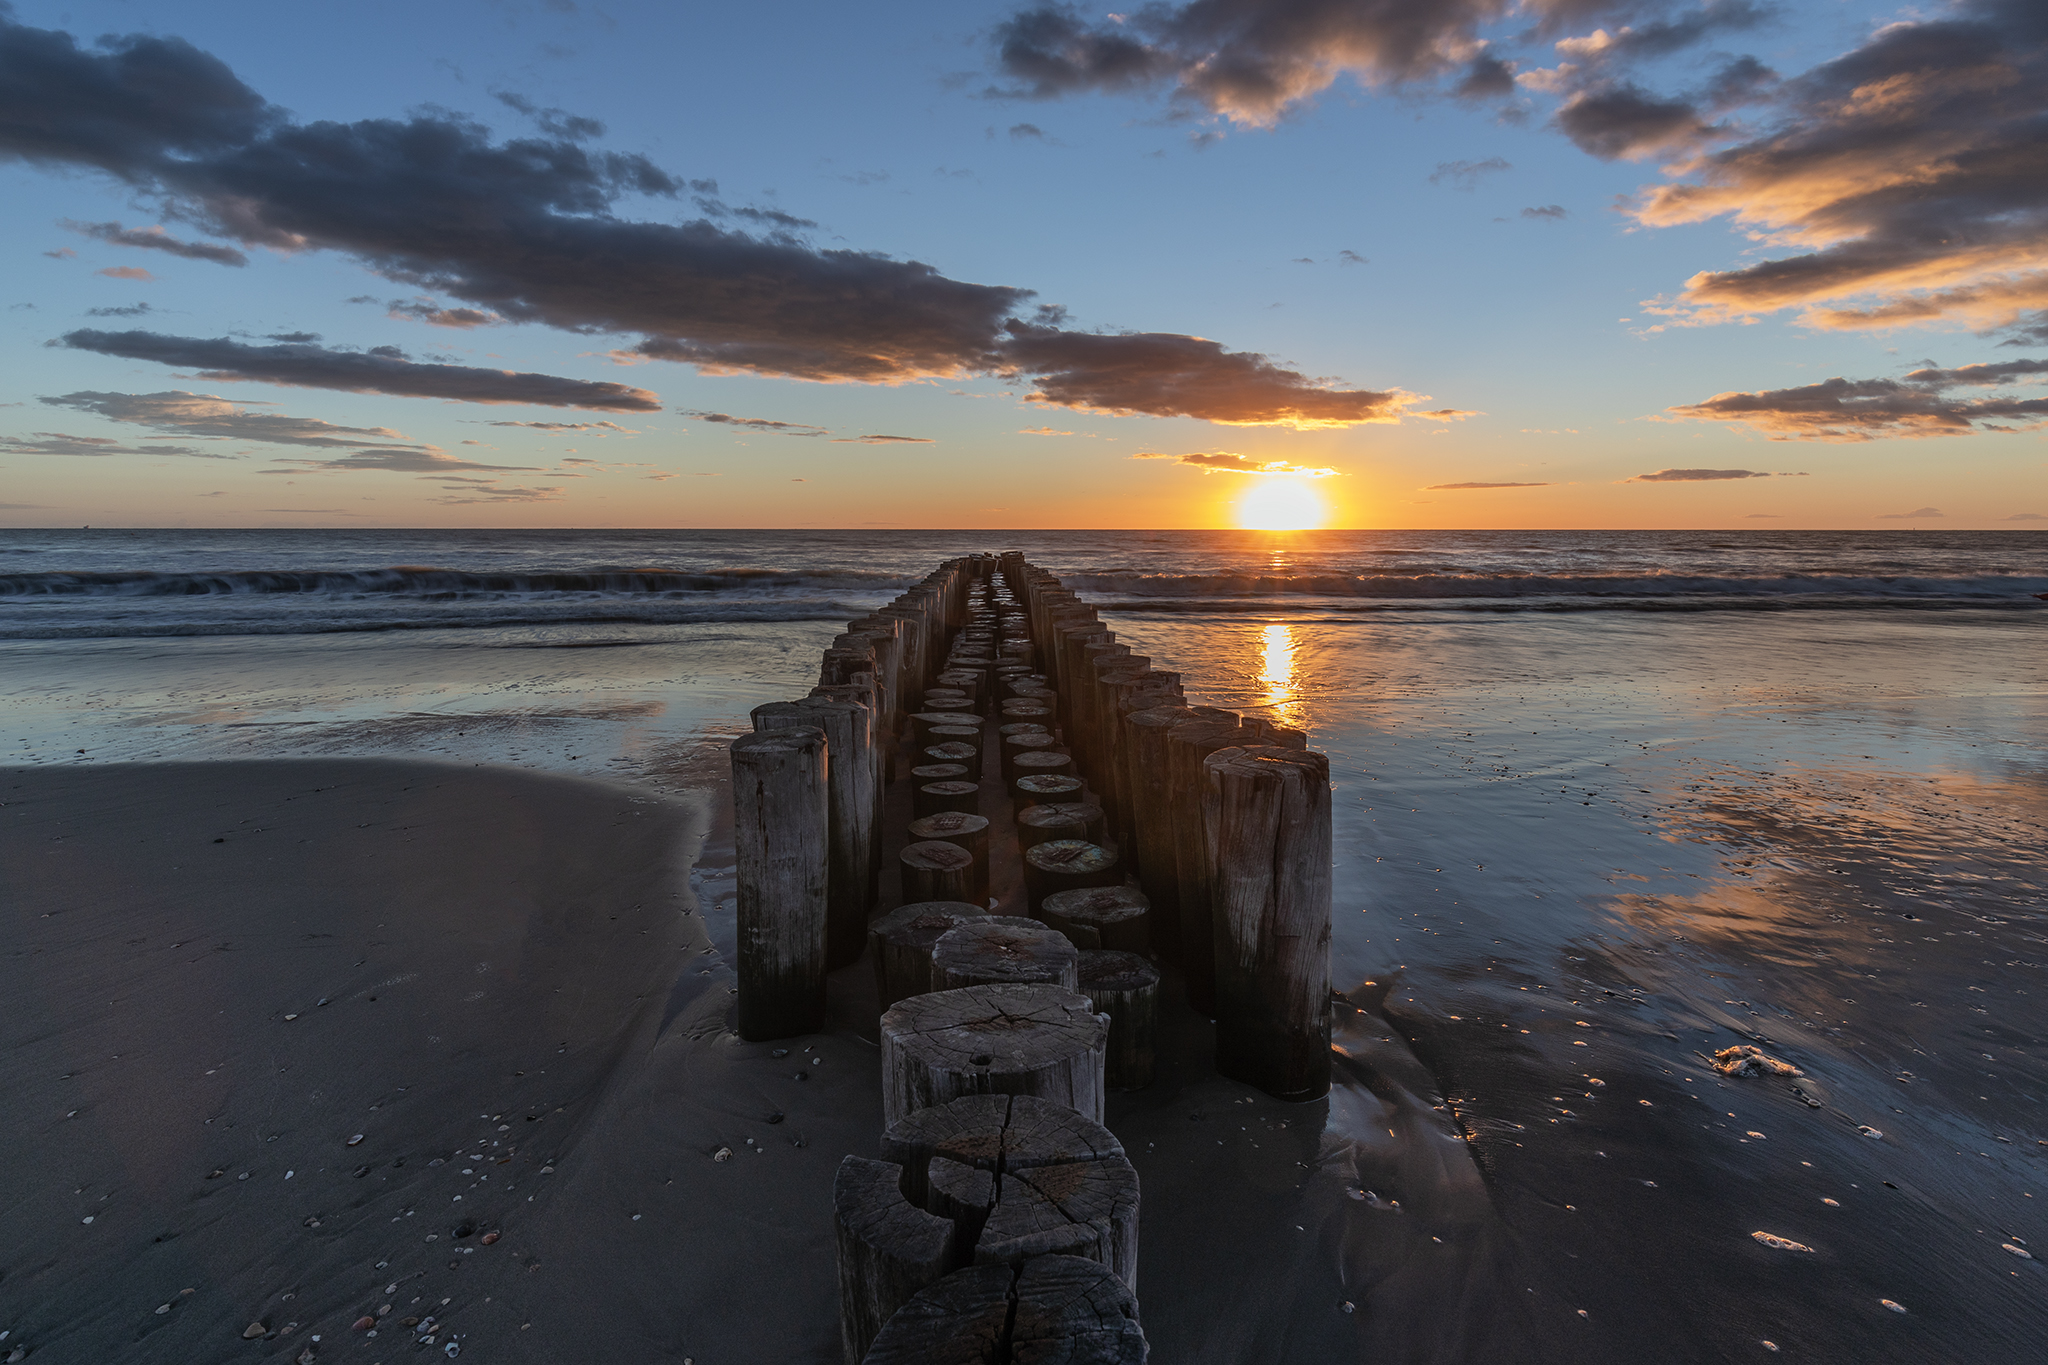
(435, 315)
(24, 507)
(1042, 431)
(59, 443)
(761, 424)
(1552, 212)
(1918, 514)
(879, 440)
(1446, 487)
(62, 253)
(1624, 121)
(1467, 174)
(1351, 258)
(1919, 404)
(1762, 516)
(569, 426)
(1021, 131)
(525, 230)
(156, 239)
(1164, 374)
(125, 272)
(1699, 475)
(428, 461)
(485, 496)
(554, 122)
(1906, 173)
(2026, 516)
(1229, 462)
(133, 310)
(382, 370)
(204, 415)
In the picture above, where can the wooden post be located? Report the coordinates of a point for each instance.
(1063, 864)
(1186, 746)
(1057, 787)
(1268, 813)
(1125, 987)
(902, 944)
(1049, 820)
(994, 952)
(993, 1133)
(1101, 917)
(933, 797)
(1017, 745)
(889, 1249)
(967, 737)
(937, 872)
(939, 772)
(1156, 863)
(781, 846)
(849, 786)
(1062, 1309)
(1015, 1040)
(969, 832)
(1042, 763)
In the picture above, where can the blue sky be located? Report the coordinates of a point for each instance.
(1502, 270)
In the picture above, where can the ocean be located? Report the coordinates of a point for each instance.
(1606, 803)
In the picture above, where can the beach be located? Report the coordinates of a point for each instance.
(1579, 851)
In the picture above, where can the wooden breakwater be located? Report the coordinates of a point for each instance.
(1073, 829)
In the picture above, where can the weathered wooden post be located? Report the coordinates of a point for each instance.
(781, 846)
(902, 944)
(1125, 987)
(1003, 950)
(1056, 1308)
(888, 1249)
(1101, 917)
(1063, 864)
(1157, 864)
(968, 831)
(1015, 1040)
(1267, 810)
(849, 786)
(1187, 744)
(933, 871)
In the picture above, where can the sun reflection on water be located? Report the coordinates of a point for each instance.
(1276, 672)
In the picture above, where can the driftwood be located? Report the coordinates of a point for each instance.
(1101, 917)
(1125, 987)
(889, 1249)
(933, 871)
(1016, 1040)
(989, 952)
(1064, 864)
(1054, 1310)
(902, 940)
(780, 843)
(1268, 813)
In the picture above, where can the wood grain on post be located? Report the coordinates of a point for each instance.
(1017, 1040)
(933, 871)
(965, 735)
(902, 940)
(1042, 763)
(999, 952)
(994, 1133)
(1155, 862)
(1101, 917)
(1053, 787)
(933, 797)
(1048, 820)
(1186, 746)
(850, 803)
(1017, 745)
(889, 1249)
(1125, 987)
(1052, 1310)
(968, 831)
(939, 772)
(781, 845)
(1064, 864)
(1268, 810)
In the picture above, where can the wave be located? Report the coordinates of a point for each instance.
(1342, 610)
(413, 581)
(1157, 590)
(469, 615)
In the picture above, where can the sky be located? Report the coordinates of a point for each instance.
(1361, 263)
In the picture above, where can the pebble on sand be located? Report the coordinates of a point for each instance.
(1868, 1131)
(365, 1323)
(1744, 1060)
(1780, 1243)
(488, 1238)
(722, 1154)
(253, 1331)
(1893, 1304)
(2021, 1252)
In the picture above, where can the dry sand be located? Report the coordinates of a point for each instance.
(217, 976)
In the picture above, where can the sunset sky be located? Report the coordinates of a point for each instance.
(1387, 263)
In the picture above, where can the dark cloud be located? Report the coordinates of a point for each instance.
(1168, 375)
(1020, 131)
(1698, 475)
(59, 443)
(1467, 174)
(1912, 170)
(382, 370)
(1448, 487)
(1918, 514)
(435, 315)
(293, 338)
(1625, 121)
(1552, 212)
(416, 461)
(202, 414)
(1351, 258)
(1920, 404)
(1230, 462)
(2026, 516)
(761, 424)
(133, 310)
(156, 239)
(525, 230)
(568, 426)
(878, 440)
(62, 253)
(554, 122)
(1662, 37)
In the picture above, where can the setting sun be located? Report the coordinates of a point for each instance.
(1281, 505)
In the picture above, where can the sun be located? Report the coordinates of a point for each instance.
(1281, 505)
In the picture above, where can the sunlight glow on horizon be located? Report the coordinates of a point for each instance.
(1281, 505)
